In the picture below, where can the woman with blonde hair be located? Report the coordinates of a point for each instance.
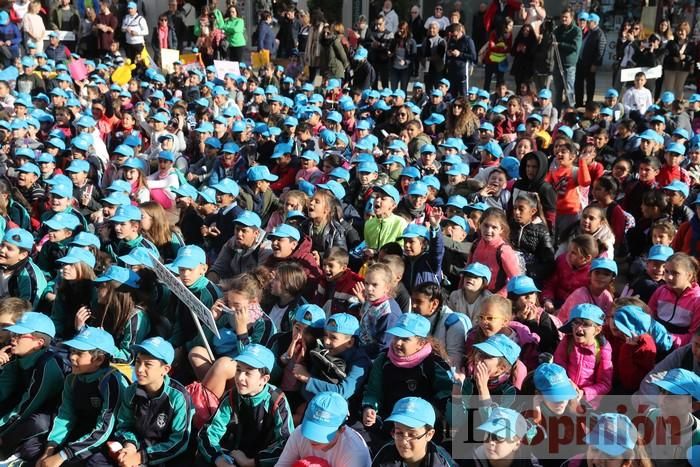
(33, 27)
(679, 60)
(156, 228)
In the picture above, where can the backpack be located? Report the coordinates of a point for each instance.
(454, 318)
(501, 278)
(60, 354)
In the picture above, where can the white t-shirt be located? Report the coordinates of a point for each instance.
(350, 450)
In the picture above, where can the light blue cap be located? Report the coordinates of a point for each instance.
(584, 311)
(79, 165)
(28, 167)
(62, 220)
(521, 285)
(285, 231)
(260, 172)
(478, 270)
(552, 381)
(335, 188)
(343, 323)
(120, 274)
(324, 415)
(156, 347)
(117, 198)
(126, 213)
(389, 191)
(417, 188)
(189, 257)
(679, 381)
(604, 263)
(62, 190)
(310, 315)
(413, 412)
(93, 339)
(257, 356)
(227, 186)
(614, 434)
(85, 239)
(505, 423)
(660, 252)
(139, 256)
(32, 321)
(409, 325)
(677, 185)
(500, 345)
(19, 238)
(415, 231)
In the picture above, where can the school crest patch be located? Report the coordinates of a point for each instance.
(161, 420)
(412, 384)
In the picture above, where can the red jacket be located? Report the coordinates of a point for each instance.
(286, 177)
(337, 296)
(683, 241)
(631, 363)
(512, 7)
(564, 281)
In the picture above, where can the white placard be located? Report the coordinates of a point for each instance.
(225, 66)
(627, 74)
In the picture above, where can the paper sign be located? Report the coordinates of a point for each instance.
(167, 58)
(627, 74)
(191, 61)
(185, 295)
(225, 66)
(78, 70)
(62, 35)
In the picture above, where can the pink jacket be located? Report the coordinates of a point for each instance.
(485, 253)
(590, 373)
(565, 280)
(583, 295)
(528, 342)
(680, 315)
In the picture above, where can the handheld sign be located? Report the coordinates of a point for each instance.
(200, 313)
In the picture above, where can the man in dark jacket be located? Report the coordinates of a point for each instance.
(568, 37)
(460, 54)
(361, 74)
(378, 43)
(592, 51)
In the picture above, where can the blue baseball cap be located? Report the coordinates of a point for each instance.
(667, 97)
(156, 347)
(505, 423)
(459, 220)
(134, 163)
(679, 381)
(117, 199)
(78, 255)
(611, 93)
(310, 155)
(410, 172)
(86, 239)
(120, 274)
(213, 142)
(677, 185)
(427, 148)
(676, 148)
(126, 213)
(62, 190)
(435, 119)
(614, 434)
(415, 231)
(409, 325)
(417, 188)
(659, 253)
(285, 231)
(28, 167)
(79, 165)
(19, 238)
(93, 339)
(208, 195)
(493, 148)
(249, 219)
(521, 285)
(334, 187)
(566, 131)
(310, 315)
(413, 412)
(389, 191)
(457, 201)
(227, 186)
(584, 311)
(478, 270)
(166, 156)
(324, 415)
(649, 135)
(62, 220)
(139, 256)
(340, 173)
(545, 94)
(593, 18)
(500, 345)
(632, 320)
(189, 257)
(257, 356)
(367, 167)
(342, 323)
(260, 172)
(32, 321)
(487, 126)
(604, 263)
(553, 383)
(186, 191)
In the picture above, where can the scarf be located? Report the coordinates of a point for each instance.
(410, 361)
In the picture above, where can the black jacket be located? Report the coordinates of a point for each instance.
(333, 235)
(362, 75)
(467, 53)
(535, 244)
(593, 48)
(673, 61)
(545, 191)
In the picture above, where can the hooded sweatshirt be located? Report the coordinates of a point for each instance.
(544, 190)
(233, 260)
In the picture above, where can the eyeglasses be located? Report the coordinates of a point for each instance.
(458, 106)
(407, 436)
(403, 114)
(22, 336)
(583, 323)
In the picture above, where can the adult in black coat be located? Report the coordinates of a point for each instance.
(460, 52)
(361, 74)
(590, 58)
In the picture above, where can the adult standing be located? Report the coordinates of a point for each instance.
(403, 51)
(533, 15)
(568, 36)
(523, 52)
(234, 28)
(434, 48)
(418, 34)
(105, 24)
(438, 17)
(460, 54)
(377, 43)
(498, 11)
(176, 20)
(285, 34)
(33, 27)
(164, 37)
(391, 19)
(312, 54)
(266, 36)
(497, 49)
(591, 57)
(334, 59)
(543, 58)
(679, 60)
(135, 29)
(65, 18)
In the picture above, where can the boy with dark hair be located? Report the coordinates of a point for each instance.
(253, 421)
(30, 387)
(335, 290)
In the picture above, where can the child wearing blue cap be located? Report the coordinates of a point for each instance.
(651, 277)
(85, 190)
(92, 397)
(474, 281)
(413, 430)
(423, 249)
(673, 304)
(126, 224)
(32, 383)
(162, 181)
(253, 421)
(23, 278)
(335, 290)
(599, 291)
(61, 201)
(530, 235)
(524, 295)
(384, 226)
(61, 229)
(411, 366)
(256, 194)
(74, 290)
(585, 353)
(155, 418)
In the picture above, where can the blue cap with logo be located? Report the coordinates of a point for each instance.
(93, 339)
(413, 412)
(126, 213)
(156, 347)
(459, 221)
(500, 346)
(139, 256)
(660, 252)
(677, 185)
(120, 274)
(189, 257)
(310, 315)
(19, 238)
(324, 415)
(553, 383)
(342, 323)
(77, 254)
(228, 187)
(86, 239)
(79, 166)
(587, 311)
(335, 188)
(260, 172)
(614, 434)
(505, 423)
(478, 270)
(186, 191)
(390, 191)
(257, 356)
(415, 231)
(521, 285)
(417, 188)
(249, 219)
(62, 190)
(285, 231)
(679, 381)
(409, 325)
(32, 321)
(28, 167)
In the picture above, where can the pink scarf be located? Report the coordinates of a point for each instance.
(412, 360)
